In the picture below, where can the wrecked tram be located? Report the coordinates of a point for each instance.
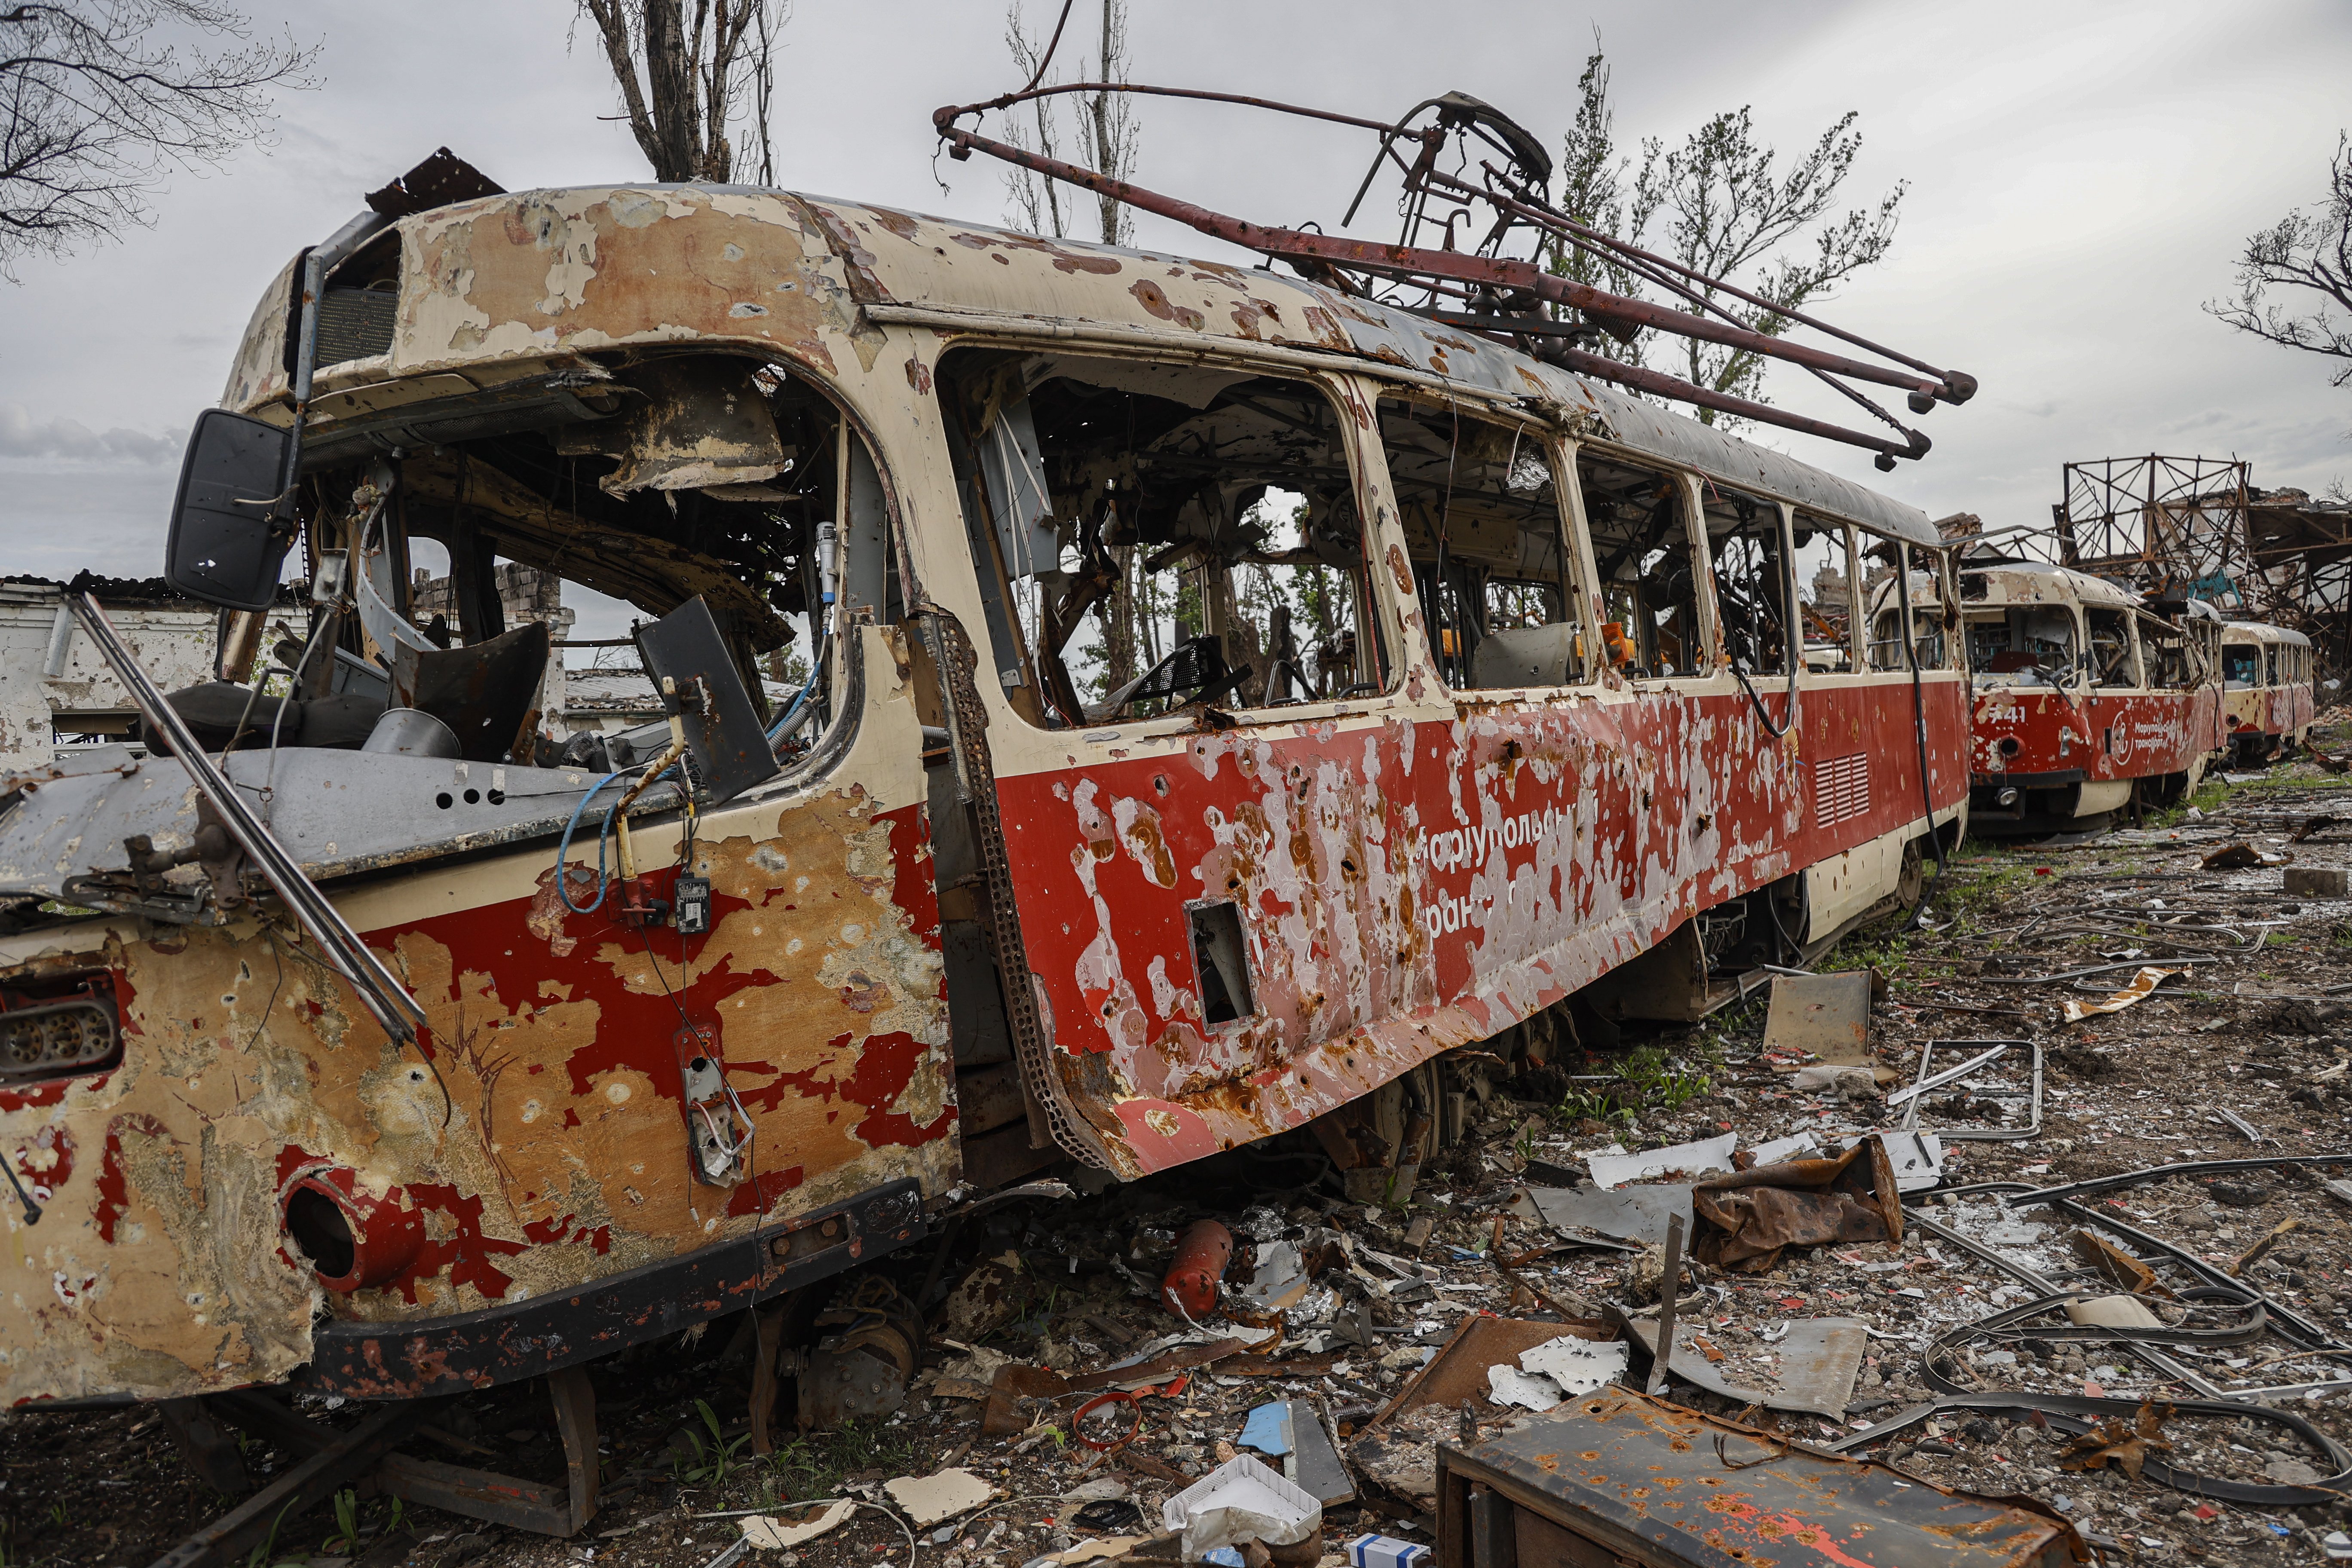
(2268, 697)
(2085, 700)
(1556, 721)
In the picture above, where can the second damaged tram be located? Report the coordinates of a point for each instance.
(2085, 700)
(2267, 691)
(1534, 716)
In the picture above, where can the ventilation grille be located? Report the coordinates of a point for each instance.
(355, 324)
(1840, 789)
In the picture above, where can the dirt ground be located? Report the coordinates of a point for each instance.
(2254, 1027)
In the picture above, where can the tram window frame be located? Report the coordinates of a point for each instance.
(2170, 657)
(2095, 667)
(1457, 473)
(1625, 541)
(2270, 666)
(1851, 650)
(1751, 554)
(1932, 648)
(1080, 467)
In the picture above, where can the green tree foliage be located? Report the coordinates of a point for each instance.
(1722, 204)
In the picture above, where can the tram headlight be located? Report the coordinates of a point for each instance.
(2007, 797)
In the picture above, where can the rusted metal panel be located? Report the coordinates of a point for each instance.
(1621, 1477)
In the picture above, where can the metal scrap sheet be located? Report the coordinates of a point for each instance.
(1655, 1484)
(1817, 1362)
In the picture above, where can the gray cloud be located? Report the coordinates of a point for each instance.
(22, 436)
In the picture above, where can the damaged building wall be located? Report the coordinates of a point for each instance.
(54, 687)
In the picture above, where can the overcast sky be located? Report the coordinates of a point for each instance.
(2081, 175)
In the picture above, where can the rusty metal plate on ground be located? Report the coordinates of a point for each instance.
(1810, 1368)
(1628, 1214)
(1619, 1476)
(1827, 1015)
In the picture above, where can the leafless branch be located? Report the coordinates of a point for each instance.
(689, 73)
(100, 100)
(1104, 130)
(2307, 250)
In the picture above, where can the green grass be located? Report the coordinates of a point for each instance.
(812, 1464)
(714, 1456)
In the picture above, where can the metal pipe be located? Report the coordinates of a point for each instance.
(385, 996)
(1486, 272)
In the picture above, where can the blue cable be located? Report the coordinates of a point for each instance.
(563, 849)
(793, 711)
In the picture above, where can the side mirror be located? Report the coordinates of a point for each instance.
(228, 542)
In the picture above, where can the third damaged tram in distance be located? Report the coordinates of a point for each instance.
(2267, 697)
(2085, 699)
(1458, 685)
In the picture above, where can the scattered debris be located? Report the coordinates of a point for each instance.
(928, 1500)
(765, 1532)
(1387, 1551)
(2142, 983)
(1615, 1170)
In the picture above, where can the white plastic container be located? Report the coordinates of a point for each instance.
(1240, 1500)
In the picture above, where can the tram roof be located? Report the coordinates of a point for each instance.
(523, 275)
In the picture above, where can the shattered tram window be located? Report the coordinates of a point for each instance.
(1753, 594)
(1891, 564)
(1488, 543)
(1825, 591)
(2113, 662)
(1150, 538)
(1642, 550)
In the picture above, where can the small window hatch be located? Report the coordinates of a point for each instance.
(1221, 961)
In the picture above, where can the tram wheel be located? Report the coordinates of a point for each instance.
(1911, 883)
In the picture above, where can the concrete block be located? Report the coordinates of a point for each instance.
(2317, 881)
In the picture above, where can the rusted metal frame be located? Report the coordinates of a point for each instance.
(1602, 368)
(1412, 261)
(1946, 386)
(559, 1511)
(945, 118)
(1054, 1118)
(342, 1459)
(1949, 386)
(506, 1343)
(1670, 1279)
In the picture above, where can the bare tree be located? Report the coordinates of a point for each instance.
(2302, 250)
(100, 100)
(1102, 130)
(689, 72)
(1723, 208)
